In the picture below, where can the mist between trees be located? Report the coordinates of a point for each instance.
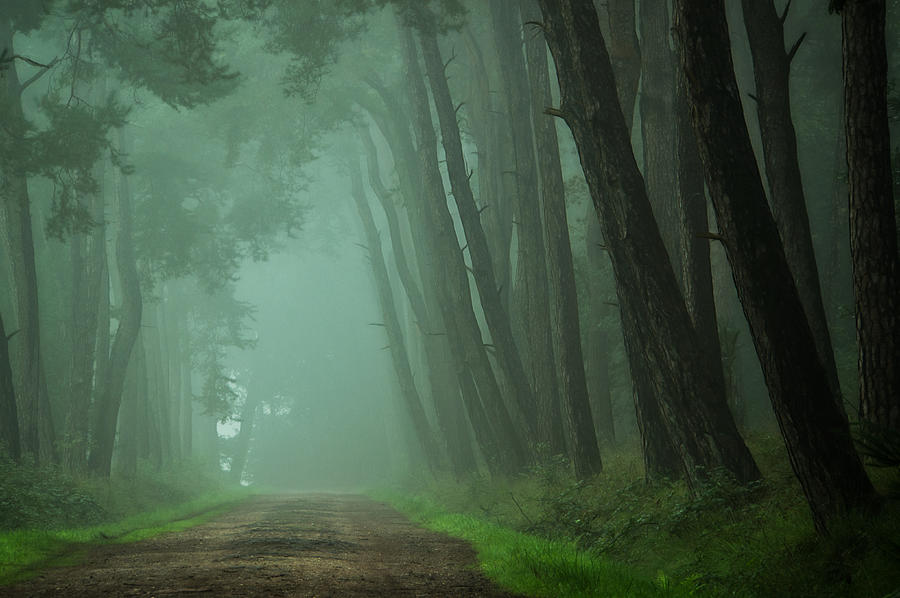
(333, 244)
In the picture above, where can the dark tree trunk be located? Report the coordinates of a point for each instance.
(482, 267)
(174, 357)
(399, 355)
(814, 428)
(696, 268)
(652, 310)
(873, 225)
(494, 429)
(107, 406)
(88, 263)
(531, 275)
(130, 420)
(561, 270)
(657, 122)
(35, 435)
(9, 418)
(625, 54)
(772, 73)
(442, 384)
(491, 137)
(451, 376)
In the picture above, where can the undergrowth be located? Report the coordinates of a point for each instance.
(47, 515)
(726, 540)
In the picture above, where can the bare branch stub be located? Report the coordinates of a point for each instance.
(793, 51)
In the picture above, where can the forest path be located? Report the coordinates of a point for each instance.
(311, 545)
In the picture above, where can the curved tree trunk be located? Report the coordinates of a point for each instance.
(399, 355)
(110, 397)
(815, 429)
(497, 319)
(494, 430)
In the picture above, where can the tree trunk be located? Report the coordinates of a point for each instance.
(494, 430)
(399, 355)
(482, 268)
(107, 406)
(772, 73)
(696, 267)
(443, 386)
(658, 123)
(35, 436)
(873, 224)
(531, 275)
(652, 310)
(561, 270)
(242, 440)
(814, 428)
(9, 418)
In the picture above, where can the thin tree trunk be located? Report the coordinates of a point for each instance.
(107, 407)
(9, 419)
(814, 428)
(33, 403)
(482, 268)
(242, 440)
(412, 400)
(772, 73)
(873, 224)
(444, 389)
(531, 275)
(561, 270)
(495, 433)
(696, 415)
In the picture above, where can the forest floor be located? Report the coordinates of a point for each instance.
(312, 545)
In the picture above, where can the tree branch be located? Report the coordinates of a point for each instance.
(795, 47)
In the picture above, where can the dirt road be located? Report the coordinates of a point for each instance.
(294, 545)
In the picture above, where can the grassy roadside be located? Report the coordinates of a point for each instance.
(615, 535)
(48, 517)
(531, 565)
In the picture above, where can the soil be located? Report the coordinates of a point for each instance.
(311, 545)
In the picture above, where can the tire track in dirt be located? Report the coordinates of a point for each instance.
(303, 545)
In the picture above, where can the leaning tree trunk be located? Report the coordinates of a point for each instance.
(691, 207)
(443, 387)
(242, 439)
(399, 355)
(772, 73)
(503, 446)
(873, 227)
(561, 269)
(497, 318)
(815, 429)
(9, 418)
(531, 269)
(107, 405)
(696, 415)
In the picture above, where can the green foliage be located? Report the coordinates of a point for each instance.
(45, 513)
(726, 540)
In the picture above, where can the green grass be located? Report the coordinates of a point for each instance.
(25, 551)
(529, 564)
(728, 540)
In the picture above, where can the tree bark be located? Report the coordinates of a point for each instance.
(873, 224)
(561, 269)
(443, 386)
(814, 428)
(497, 318)
(652, 310)
(531, 268)
(772, 73)
(399, 355)
(107, 406)
(9, 418)
(494, 430)
(36, 435)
